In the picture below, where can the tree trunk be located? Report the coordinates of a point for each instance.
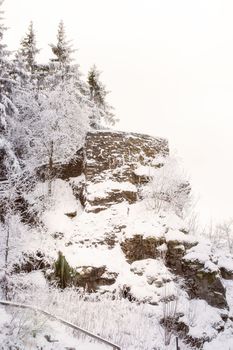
(6, 258)
(7, 245)
(50, 170)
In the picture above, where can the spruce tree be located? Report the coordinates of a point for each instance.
(101, 111)
(7, 108)
(28, 50)
(63, 49)
(97, 90)
(63, 70)
(62, 271)
(60, 68)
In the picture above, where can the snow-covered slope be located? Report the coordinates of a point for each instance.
(121, 247)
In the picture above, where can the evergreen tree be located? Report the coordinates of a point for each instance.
(62, 271)
(7, 108)
(62, 69)
(97, 90)
(63, 49)
(4, 90)
(28, 50)
(101, 110)
(3, 47)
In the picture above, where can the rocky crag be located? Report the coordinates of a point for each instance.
(114, 243)
(109, 163)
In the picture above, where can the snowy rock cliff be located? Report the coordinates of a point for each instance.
(111, 159)
(116, 243)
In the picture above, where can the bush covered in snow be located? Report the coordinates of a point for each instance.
(168, 188)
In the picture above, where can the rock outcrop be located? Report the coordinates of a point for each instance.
(115, 243)
(119, 153)
(201, 280)
(111, 159)
(108, 166)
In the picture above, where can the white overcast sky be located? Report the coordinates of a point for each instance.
(169, 65)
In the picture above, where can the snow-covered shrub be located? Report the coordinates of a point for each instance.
(221, 235)
(168, 188)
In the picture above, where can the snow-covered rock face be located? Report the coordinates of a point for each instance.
(108, 150)
(115, 244)
(111, 163)
(98, 220)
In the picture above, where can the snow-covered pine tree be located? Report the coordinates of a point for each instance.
(7, 108)
(63, 49)
(19, 72)
(62, 68)
(53, 112)
(28, 50)
(97, 90)
(101, 111)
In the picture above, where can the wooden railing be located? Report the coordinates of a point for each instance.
(71, 325)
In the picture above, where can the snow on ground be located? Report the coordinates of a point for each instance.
(101, 190)
(225, 261)
(81, 234)
(145, 170)
(93, 228)
(224, 341)
(149, 279)
(177, 235)
(130, 325)
(228, 284)
(137, 217)
(150, 170)
(26, 330)
(200, 252)
(62, 202)
(203, 320)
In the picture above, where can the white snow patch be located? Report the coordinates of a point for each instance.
(102, 189)
(203, 320)
(176, 235)
(203, 254)
(144, 170)
(226, 262)
(63, 202)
